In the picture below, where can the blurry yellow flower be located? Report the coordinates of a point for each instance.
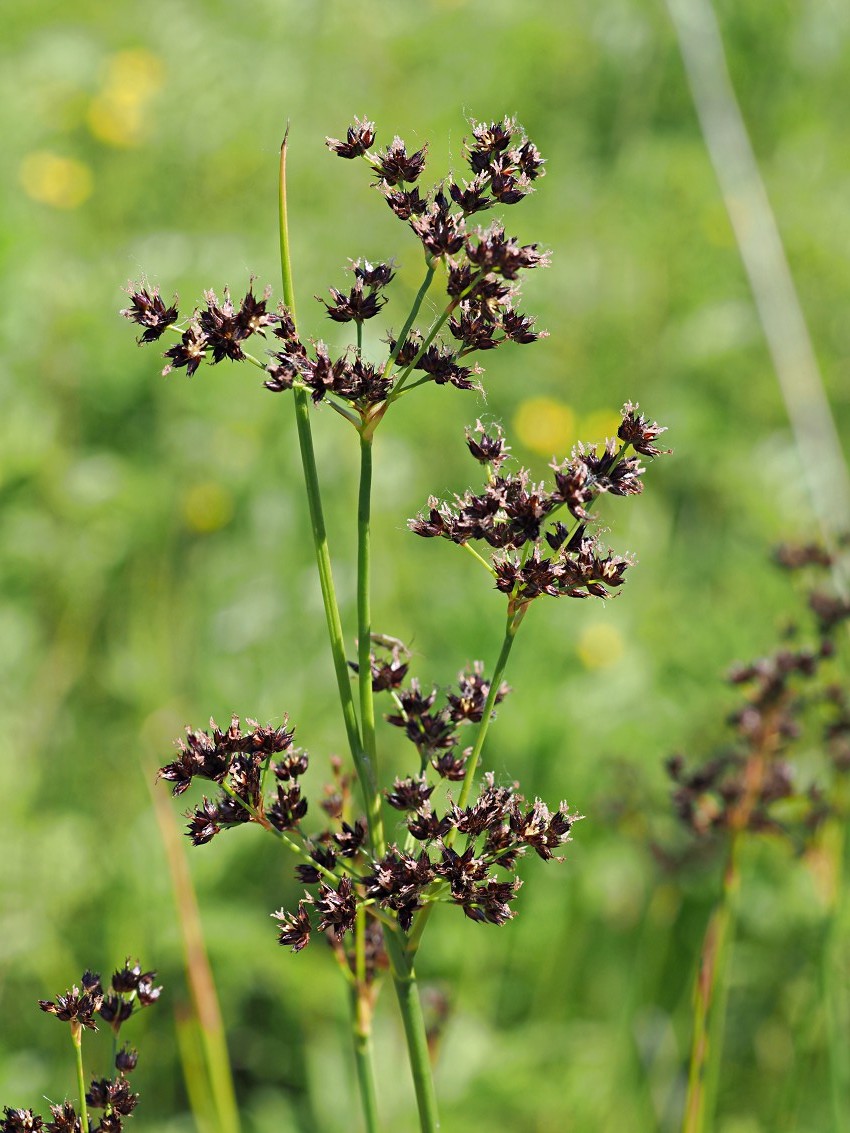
(207, 507)
(545, 426)
(62, 182)
(600, 425)
(600, 645)
(118, 114)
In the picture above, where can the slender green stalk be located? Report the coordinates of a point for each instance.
(407, 993)
(364, 1062)
(361, 1032)
(711, 993)
(511, 628)
(364, 640)
(361, 1024)
(514, 620)
(283, 231)
(480, 558)
(77, 1040)
(314, 498)
(429, 338)
(833, 965)
(414, 311)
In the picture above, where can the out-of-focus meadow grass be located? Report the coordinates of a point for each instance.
(156, 563)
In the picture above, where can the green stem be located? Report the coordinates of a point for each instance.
(833, 963)
(364, 1062)
(311, 480)
(361, 1029)
(77, 1040)
(710, 999)
(282, 836)
(283, 231)
(468, 547)
(361, 1025)
(429, 338)
(414, 311)
(364, 665)
(514, 620)
(407, 993)
(513, 623)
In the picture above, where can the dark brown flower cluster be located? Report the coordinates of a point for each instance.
(148, 311)
(131, 989)
(498, 828)
(239, 762)
(336, 862)
(215, 332)
(482, 271)
(348, 377)
(537, 553)
(786, 701)
(364, 299)
(434, 730)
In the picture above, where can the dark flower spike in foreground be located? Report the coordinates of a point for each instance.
(373, 275)
(128, 978)
(21, 1121)
(126, 1060)
(148, 310)
(536, 553)
(490, 447)
(209, 755)
(65, 1119)
(357, 306)
(395, 166)
(336, 907)
(226, 328)
(359, 140)
(490, 250)
(189, 352)
(639, 433)
(294, 927)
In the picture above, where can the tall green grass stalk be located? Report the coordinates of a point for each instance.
(711, 993)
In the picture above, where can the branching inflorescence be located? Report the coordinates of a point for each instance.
(372, 899)
(130, 990)
(753, 789)
(747, 786)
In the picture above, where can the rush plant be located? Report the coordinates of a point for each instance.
(129, 991)
(367, 898)
(793, 718)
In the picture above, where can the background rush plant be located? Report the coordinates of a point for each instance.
(130, 990)
(373, 899)
(784, 776)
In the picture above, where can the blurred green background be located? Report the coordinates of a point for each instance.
(157, 568)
